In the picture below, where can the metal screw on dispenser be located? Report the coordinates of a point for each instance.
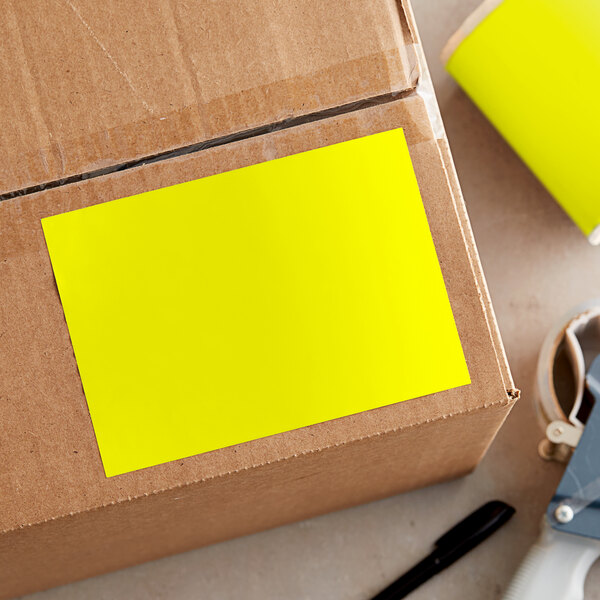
(564, 513)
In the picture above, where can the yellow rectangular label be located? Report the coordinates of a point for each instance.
(254, 302)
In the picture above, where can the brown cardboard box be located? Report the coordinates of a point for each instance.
(100, 101)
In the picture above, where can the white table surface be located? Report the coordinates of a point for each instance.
(538, 265)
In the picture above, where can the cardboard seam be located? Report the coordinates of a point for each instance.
(287, 123)
(407, 19)
(507, 401)
(406, 23)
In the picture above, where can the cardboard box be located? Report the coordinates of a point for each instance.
(95, 108)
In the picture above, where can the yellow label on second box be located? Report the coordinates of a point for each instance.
(533, 68)
(253, 302)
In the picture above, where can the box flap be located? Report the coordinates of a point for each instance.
(82, 90)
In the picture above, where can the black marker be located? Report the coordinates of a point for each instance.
(463, 537)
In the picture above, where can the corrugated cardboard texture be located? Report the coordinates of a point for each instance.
(89, 84)
(60, 517)
(123, 534)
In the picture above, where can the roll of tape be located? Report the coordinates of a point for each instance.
(568, 350)
(533, 68)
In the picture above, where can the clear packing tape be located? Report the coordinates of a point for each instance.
(207, 144)
(206, 75)
(421, 86)
(533, 68)
(426, 91)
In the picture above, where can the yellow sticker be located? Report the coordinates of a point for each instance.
(533, 67)
(254, 302)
